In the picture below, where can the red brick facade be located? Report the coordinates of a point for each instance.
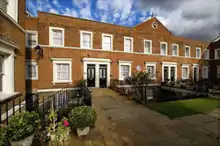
(72, 50)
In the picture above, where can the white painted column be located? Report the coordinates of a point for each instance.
(97, 75)
(8, 79)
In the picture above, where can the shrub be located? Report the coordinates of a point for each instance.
(138, 79)
(22, 125)
(114, 83)
(81, 117)
(81, 83)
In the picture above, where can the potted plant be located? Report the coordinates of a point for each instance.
(82, 119)
(57, 131)
(21, 128)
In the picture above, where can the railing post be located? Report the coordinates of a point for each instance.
(19, 104)
(6, 112)
(13, 107)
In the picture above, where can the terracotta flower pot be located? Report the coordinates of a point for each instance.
(24, 142)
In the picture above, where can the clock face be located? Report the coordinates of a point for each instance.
(154, 25)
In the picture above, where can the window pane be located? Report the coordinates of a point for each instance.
(86, 40)
(185, 72)
(57, 37)
(31, 39)
(163, 49)
(62, 72)
(174, 50)
(124, 71)
(107, 43)
(187, 51)
(147, 46)
(198, 53)
(151, 71)
(128, 45)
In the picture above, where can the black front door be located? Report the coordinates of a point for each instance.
(165, 73)
(172, 72)
(195, 74)
(103, 76)
(91, 75)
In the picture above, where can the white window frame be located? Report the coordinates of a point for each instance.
(166, 48)
(107, 35)
(169, 65)
(62, 61)
(185, 66)
(31, 62)
(33, 32)
(155, 68)
(189, 51)
(203, 73)
(216, 54)
(128, 63)
(206, 58)
(177, 46)
(81, 39)
(150, 41)
(50, 36)
(132, 41)
(198, 57)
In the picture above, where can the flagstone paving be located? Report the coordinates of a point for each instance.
(122, 122)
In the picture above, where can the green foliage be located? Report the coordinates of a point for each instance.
(138, 79)
(114, 83)
(58, 131)
(81, 83)
(2, 136)
(22, 125)
(83, 116)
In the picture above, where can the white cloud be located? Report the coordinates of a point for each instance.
(53, 11)
(70, 12)
(56, 3)
(81, 3)
(86, 12)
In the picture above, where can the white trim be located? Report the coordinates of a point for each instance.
(146, 48)
(61, 59)
(186, 46)
(32, 63)
(205, 54)
(33, 32)
(81, 39)
(169, 65)
(203, 74)
(116, 51)
(52, 90)
(177, 49)
(155, 68)
(185, 66)
(216, 39)
(97, 62)
(50, 36)
(54, 71)
(166, 48)
(124, 61)
(8, 44)
(198, 57)
(216, 56)
(12, 20)
(132, 45)
(128, 63)
(108, 35)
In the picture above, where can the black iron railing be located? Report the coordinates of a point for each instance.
(9, 106)
(61, 101)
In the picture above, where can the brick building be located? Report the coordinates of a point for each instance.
(75, 49)
(12, 47)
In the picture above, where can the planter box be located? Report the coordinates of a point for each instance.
(82, 132)
(25, 142)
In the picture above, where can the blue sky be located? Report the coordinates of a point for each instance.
(195, 19)
(121, 12)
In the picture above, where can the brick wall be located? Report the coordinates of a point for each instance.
(72, 28)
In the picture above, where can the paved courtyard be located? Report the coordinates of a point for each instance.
(123, 122)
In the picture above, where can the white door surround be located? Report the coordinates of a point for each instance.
(169, 65)
(8, 68)
(96, 62)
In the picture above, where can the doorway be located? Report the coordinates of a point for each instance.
(91, 75)
(102, 76)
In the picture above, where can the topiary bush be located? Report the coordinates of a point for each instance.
(81, 117)
(22, 125)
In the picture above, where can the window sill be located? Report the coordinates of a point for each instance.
(31, 78)
(61, 82)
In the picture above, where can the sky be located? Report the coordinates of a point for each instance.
(196, 19)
